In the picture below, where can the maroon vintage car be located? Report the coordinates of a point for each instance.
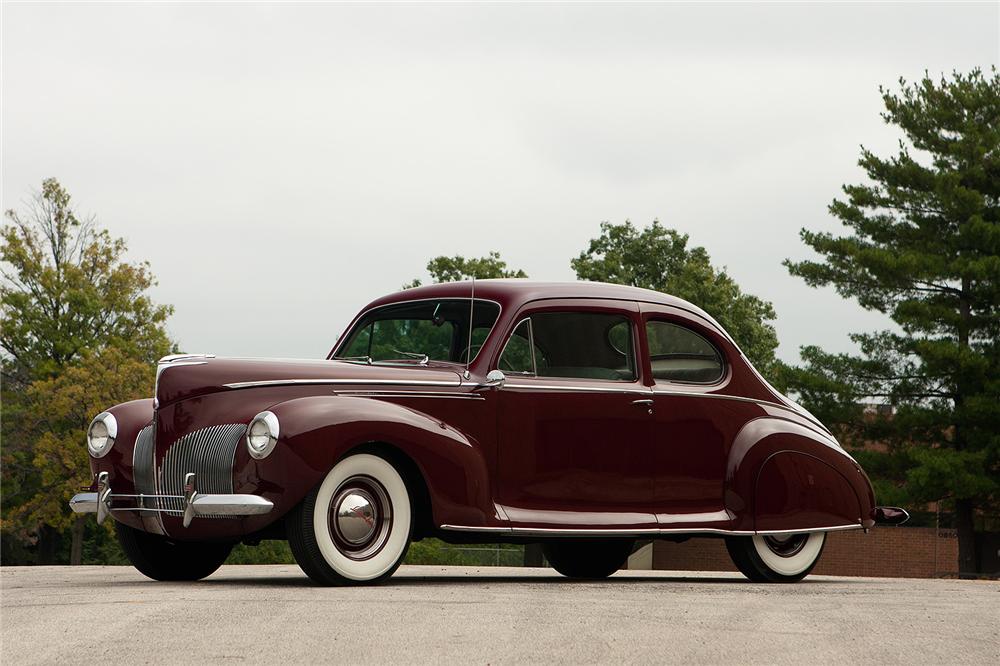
(581, 416)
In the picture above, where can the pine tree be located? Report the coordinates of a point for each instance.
(923, 247)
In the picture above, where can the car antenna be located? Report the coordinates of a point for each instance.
(472, 311)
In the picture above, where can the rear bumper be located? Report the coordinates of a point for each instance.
(889, 515)
(103, 502)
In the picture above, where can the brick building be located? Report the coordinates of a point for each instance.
(898, 552)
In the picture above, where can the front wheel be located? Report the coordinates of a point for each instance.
(771, 558)
(353, 528)
(584, 558)
(161, 558)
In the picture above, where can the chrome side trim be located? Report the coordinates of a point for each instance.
(466, 528)
(835, 528)
(634, 388)
(705, 530)
(720, 516)
(410, 394)
(535, 531)
(721, 396)
(334, 382)
(574, 531)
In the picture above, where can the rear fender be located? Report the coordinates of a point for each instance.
(316, 432)
(782, 475)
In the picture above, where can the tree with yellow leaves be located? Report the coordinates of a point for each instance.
(79, 332)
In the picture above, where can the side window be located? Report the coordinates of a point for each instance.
(516, 356)
(678, 354)
(360, 344)
(585, 345)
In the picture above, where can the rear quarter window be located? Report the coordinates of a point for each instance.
(678, 354)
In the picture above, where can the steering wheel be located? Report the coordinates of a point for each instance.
(469, 353)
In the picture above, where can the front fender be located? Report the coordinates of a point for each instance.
(316, 432)
(132, 417)
(782, 475)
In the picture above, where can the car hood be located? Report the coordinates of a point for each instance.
(181, 377)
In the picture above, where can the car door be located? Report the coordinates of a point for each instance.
(573, 417)
(692, 427)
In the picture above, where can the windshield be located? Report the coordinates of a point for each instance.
(420, 331)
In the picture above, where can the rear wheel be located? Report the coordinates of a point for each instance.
(585, 558)
(772, 558)
(161, 558)
(353, 528)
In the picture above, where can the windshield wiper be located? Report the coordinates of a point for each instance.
(355, 359)
(422, 359)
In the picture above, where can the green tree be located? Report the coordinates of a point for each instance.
(454, 269)
(658, 258)
(79, 332)
(923, 247)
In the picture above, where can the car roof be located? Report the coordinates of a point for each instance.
(517, 291)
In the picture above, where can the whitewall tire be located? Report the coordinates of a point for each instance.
(790, 555)
(353, 528)
(776, 558)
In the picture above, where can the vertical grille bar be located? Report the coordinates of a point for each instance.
(142, 464)
(209, 453)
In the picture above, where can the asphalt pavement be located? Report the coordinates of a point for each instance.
(425, 614)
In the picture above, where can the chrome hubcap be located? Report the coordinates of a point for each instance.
(356, 516)
(360, 517)
(786, 545)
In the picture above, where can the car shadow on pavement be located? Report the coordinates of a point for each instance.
(410, 579)
(556, 579)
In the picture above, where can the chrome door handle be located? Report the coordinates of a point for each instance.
(645, 403)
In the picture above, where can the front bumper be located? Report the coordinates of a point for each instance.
(101, 500)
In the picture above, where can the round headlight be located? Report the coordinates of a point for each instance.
(101, 434)
(262, 435)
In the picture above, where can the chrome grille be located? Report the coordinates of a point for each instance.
(209, 454)
(142, 464)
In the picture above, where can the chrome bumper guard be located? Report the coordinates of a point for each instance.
(195, 504)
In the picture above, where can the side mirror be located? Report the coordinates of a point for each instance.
(494, 379)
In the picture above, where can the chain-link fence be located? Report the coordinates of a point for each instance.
(433, 551)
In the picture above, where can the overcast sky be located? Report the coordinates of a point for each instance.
(281, 166)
